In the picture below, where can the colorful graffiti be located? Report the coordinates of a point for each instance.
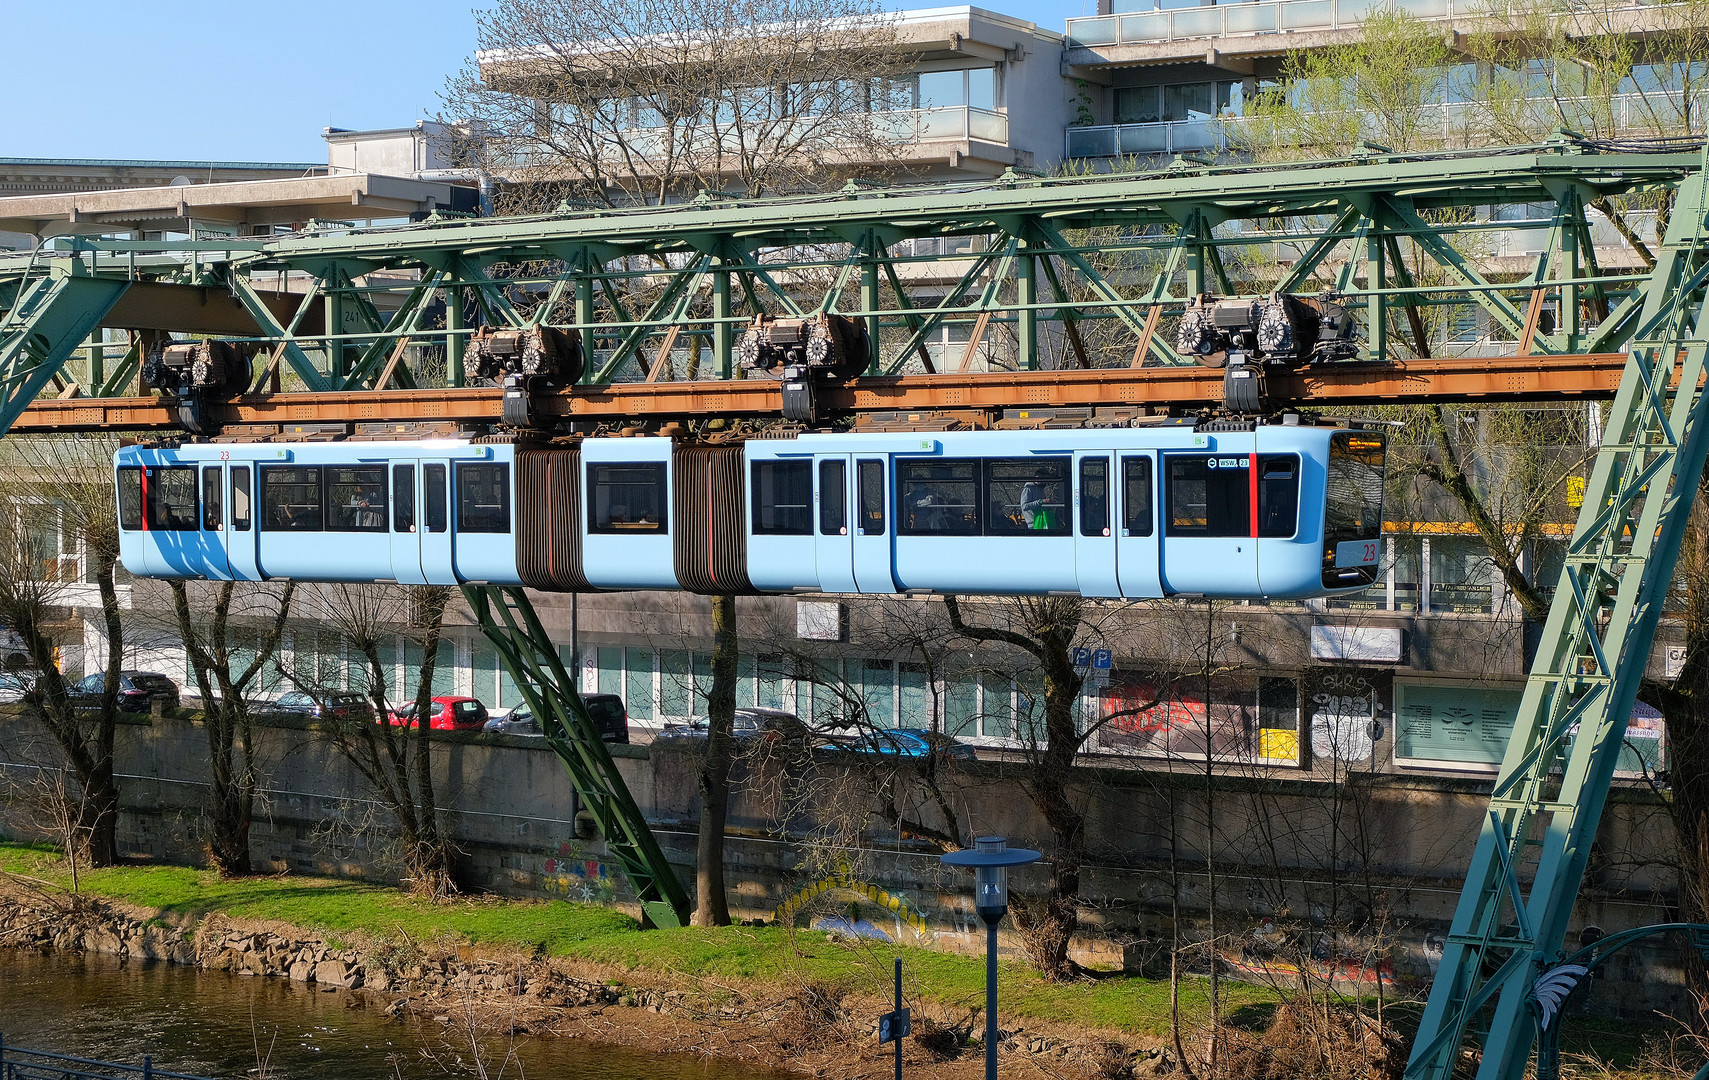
(843, 882)
(575, 876)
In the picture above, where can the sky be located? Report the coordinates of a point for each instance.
(217, 80)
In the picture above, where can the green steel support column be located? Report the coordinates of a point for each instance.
(1026, 295)
(1376, 304)
(869, 298)
(585, 317)
(335, 365)
(454, 339)
(1195, 255)
(1568, 212)
(723, 331)
(1590, 661)
(529, 655)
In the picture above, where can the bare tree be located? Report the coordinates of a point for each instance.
(394, 760)
(711, 907)
(228, 660)
(646, 101)
(1042, 631)
(58, 498)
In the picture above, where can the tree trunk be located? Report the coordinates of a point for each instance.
(429, 855)
(712, 908)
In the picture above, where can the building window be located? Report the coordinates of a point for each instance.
(976, 87)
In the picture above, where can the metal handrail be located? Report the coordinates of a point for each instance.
(17, 1063)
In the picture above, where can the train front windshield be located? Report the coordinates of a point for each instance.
(1353, 509)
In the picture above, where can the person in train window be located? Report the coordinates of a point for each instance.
(1032, 506)
(366, 516)
(925, 509)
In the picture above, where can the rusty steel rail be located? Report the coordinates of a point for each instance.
(1503, 378)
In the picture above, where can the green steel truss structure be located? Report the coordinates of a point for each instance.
(1039, 273)
(507, 618)
(1051, 262)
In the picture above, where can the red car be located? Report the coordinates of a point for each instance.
(448, 714)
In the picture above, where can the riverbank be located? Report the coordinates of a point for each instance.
(766, 995)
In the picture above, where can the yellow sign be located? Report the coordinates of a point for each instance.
(1575, 491)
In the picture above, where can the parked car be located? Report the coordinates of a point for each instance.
(902, 743)
(606, 710)
(751, 725)
(342, 705)
(448, 714)
(15, 686)
(138, 690)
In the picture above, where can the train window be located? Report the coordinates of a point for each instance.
(1353, 502)
(170, 494)
(403, 498)
(1210, 495)
(627, 497)
(433, 498)
(1136, 496)
(240, 505)
(212, 483)
(1278, 494)
(483, 498)
(870, 475)
(1026, 496)
(833, 498)
(130, 497)
(356, 498)
(783, 498)
(290, 498)
(937, 498)
(1095, 497)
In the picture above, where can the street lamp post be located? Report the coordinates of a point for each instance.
(990, 860)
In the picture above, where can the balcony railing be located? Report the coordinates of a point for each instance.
(1628, 113)
(946, 122)
(1248, 19)
(1174, 137)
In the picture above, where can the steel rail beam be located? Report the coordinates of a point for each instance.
(1504, 378)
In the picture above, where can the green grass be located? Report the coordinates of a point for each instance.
(713, 957)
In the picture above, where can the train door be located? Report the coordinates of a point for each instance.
(872, 526)
(405, 524)
(1134, 520)
(835, 527)
(214, 532)
(437, 567)
(240, 549)
(1209, 521)
(1094, 528)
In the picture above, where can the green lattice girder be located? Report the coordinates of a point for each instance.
(1391, 231)
(531, 659)
(1589, 663)
(48, 316)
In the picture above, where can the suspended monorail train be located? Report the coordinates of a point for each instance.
(1283, 510)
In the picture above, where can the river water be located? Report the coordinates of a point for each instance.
(221, 1025)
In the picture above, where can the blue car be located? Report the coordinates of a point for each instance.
(903, 743)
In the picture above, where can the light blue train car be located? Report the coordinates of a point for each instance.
(1274, 510)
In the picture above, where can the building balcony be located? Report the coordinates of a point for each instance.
(1169, 137)
(1138, 36)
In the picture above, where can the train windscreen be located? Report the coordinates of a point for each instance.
(1353, 509)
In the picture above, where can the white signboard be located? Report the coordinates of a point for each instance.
(1673, 662)
(1380, 644)
(820, 620)
(1357, 553)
